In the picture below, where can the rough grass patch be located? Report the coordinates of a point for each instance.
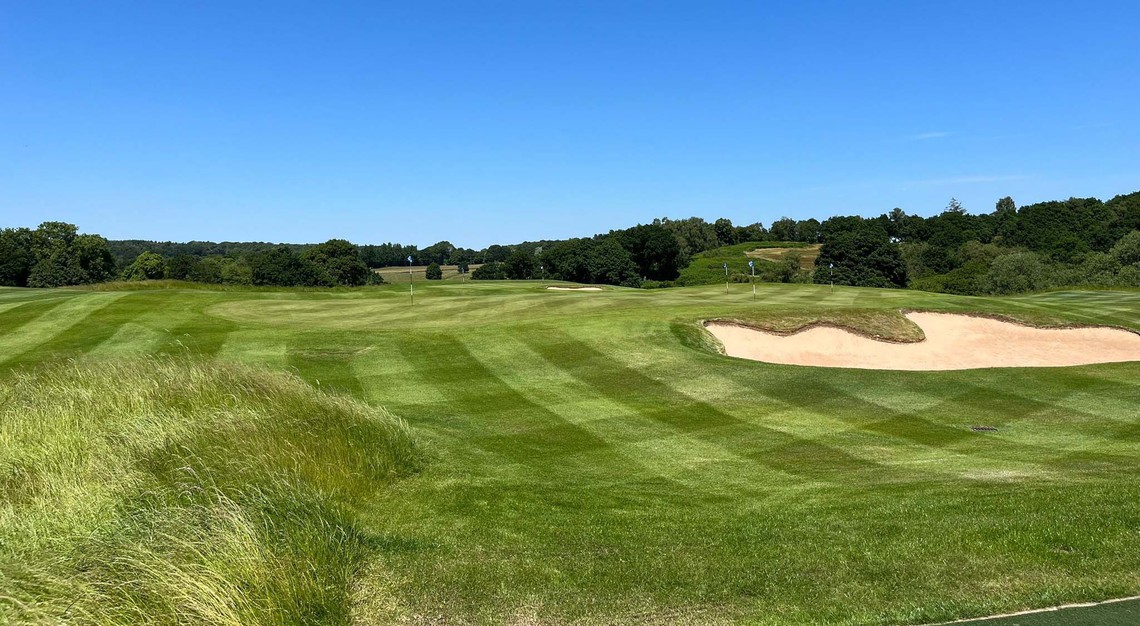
(168, 491)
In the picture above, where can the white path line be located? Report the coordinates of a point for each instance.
(1081, 605)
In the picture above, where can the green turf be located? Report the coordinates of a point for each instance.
(592, 459)
(1112, 614)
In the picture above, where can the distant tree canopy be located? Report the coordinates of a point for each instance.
(1074, 242)
(338, 263)
(53, 255)
(433, 272)
(146, 266)
(861, 253)
(599, 260)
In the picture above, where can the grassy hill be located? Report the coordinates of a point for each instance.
(707, 268)
(590, 459)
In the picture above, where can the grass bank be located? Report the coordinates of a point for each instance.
(164, 491)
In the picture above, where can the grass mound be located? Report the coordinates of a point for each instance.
(707, 268)
(880, 324)
(172, 492)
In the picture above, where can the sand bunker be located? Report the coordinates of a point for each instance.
(953, 342)
(574, 288)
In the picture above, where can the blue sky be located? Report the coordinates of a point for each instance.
(500, 121)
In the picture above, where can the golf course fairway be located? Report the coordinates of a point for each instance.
(593, 458)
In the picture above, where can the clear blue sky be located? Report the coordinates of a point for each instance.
(500, 121)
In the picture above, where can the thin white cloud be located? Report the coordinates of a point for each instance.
(969, 180)
(937, 134)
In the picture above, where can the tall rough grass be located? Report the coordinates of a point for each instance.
(175, 492)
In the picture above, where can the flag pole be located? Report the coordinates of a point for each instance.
(411, 289)
(726, 277)
(752, 265)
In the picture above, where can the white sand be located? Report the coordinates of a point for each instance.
(574, 288)
(953, 342)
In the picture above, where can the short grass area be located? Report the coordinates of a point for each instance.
(1111, 614)
(589, 457)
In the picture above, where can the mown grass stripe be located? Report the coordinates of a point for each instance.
(530, 432)
(93, 329)
(657, 401)
(50, 324)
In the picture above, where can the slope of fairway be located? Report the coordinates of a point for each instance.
(951, 342)
(170, 492)
(593, 459)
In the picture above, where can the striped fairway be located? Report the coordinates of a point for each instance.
(593, 462)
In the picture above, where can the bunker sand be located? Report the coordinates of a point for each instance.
(953, 342)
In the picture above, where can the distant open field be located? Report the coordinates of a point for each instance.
(399, 274)
(587, 457)
(808, 254)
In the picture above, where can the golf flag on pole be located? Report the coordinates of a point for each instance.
(752, 266)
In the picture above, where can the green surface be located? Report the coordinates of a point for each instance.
(1112, 614)
(590, 459)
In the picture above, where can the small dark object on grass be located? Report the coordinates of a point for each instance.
(984, 429)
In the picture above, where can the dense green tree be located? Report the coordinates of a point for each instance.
(53, 255)
(694, 235)
(438, 253)
(1014, 273)
(53, 238)
(863, 257)
(433, 272)
(783, 229)
(146, 266)
(725, 232)
(236, 271)
(94, 256)
(494, 270)
(569, 260)
(611, 264)
(495, 253)
(521, 265)
(1064, 231)
(181, 267)
(281, 267)
(1127, 250)
(56, 270)
(807, 231)
(17, 256)
(387, 254)
(338, 262)
(788, 269)
(654, 250)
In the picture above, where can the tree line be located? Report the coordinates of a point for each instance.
(1074, 242)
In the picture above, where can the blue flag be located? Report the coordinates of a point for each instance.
(409, 260)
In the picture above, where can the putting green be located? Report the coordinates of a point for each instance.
(594, 460)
